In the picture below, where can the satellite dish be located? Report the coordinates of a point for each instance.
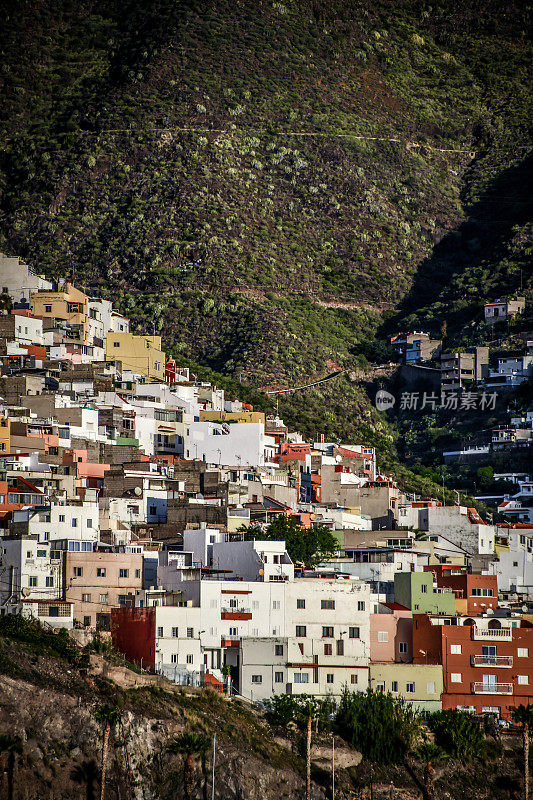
(490, 611)
(138, 491)
(26, 592)
(338, 458)
(261, 571)
(524, 608)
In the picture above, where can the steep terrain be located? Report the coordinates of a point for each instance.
(270, 185)
(51, 739)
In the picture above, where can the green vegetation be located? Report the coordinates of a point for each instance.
(457, 734)
(274, 192)
(283, 709)
(307, 546)
(382, 727)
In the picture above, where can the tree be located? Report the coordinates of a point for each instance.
(109, 715)
(523, 715)
(12, 745)
(189, 745)
(430, 754)
(380, 726)
(308, 546)
(457, 733)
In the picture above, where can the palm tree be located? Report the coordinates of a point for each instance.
(523, 715)
(10, 745)
(190, 745)
(109, 715)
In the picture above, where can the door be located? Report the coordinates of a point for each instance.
(489, 654)
(489, 683)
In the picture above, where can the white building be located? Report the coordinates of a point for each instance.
(458, 524)
(243, 443)
(18, 280)
(27, 571)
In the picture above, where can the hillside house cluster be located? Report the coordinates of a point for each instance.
(125, 485)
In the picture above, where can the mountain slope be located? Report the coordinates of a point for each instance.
(225, 170)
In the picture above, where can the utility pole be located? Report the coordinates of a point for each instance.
(213, 769)
(308, 760)
(332, 766)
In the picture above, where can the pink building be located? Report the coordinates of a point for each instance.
(391, 634)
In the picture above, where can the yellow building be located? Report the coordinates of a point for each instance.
(419, 684)
(5, 435)
(232, 416)
(142, 355)
(68, 304)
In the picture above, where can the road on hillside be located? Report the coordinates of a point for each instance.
(308, 385)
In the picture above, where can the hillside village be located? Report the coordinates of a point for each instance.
(141, 503)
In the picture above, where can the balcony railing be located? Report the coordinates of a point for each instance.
(492, 633)
(492, 688)
(239, 610)
(491, 661)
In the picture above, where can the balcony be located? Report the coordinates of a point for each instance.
(503, 634)
(492, 688)
(230, 641)
(491, 661)
(235, 613)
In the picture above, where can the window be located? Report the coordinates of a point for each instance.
(410, 688)
(477, 592)
(328, 649)
(49, 582)
(353, 678)
(41, 553)
(523, 679)
(123, 573)
(424, 588)
(74, 522)
(86, 598)
(190, 632)
(402, 647)
(327, 632)
(32, 580)
(104, 598)
(175, 633)
(361, 605)
(380, 686)
(232, 631)
(255, 603)
(456, 649)
(190, 658)
(174, 658)
(431, 687)
(327, 604)
(300, 604)
(257, 679)
(278, 677)
(417, 606)
(353, 633)
(301, 630)
(301, 677)
(77, 572)
(456, 677)
(160, 630)
(61, 517)
(383, 636)
(86, 621)
(89, 523)
(523, 652)
(48, 309)
(330, 677)
(276, 604)
(137, 573)
(100, 572)
(278, 649)
(394, 686)
(340, 647)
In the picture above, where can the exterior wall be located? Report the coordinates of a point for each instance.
(419, 684)
(27, 570)
(469, 588)
(58, 303)
(254, 560)
(415, 591)
(140, 354)
(398, 627)
(19, 280)
(89, 584)
(133, 633)
(244, 444)
(70, 522)
(232, 416)
(5, 435)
